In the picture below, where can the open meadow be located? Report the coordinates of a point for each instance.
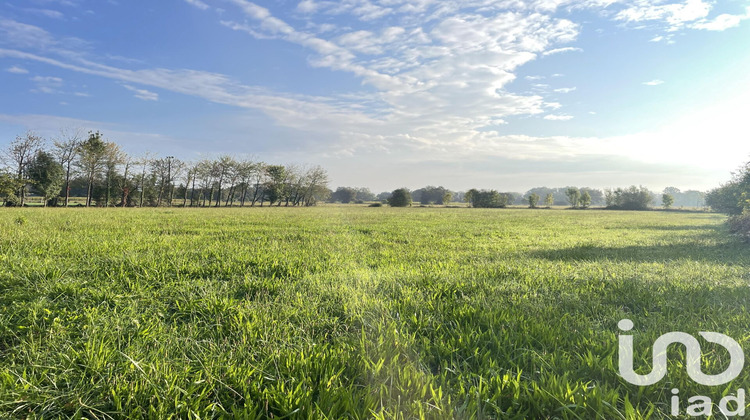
(356, 312)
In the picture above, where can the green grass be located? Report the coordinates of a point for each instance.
(356, 312)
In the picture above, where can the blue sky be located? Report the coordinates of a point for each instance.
(387, 93)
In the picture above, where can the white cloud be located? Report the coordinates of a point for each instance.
(655, 82)
(437, 73)
(560, 117)
(17, 70)
(307, 6)
(15, 34)
(142, 93)
(47, 84)
(198, 3)
(564, 90)
(562, 50)
(674, 15)
(722, 22)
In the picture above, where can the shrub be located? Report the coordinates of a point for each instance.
(726, 199)
(632, 198)
(375, 205)
(740, 225)
(584, 200)
(487, 199)
(400, 198)
(667, 200)
(573, 196)
(533, 200)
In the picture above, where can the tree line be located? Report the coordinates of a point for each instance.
(78, 165)
(91, 168)
(630, 198)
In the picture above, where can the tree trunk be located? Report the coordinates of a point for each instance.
(192, 191)
(67, 185)
(143, 188)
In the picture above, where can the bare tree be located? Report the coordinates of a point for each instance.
(124, 182)
(205, 171)
(66, 150)
(113, 158)
(144, 161)
(316, 179)
(222, 167)
(19, 154)
(245, 172)
(175, 170)
(259, 179)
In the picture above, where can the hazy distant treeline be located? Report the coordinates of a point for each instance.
(562, 196)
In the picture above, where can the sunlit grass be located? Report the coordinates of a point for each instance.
(355, 312)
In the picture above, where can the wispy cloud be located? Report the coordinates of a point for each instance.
(143, 94)
(655, 82)
(722, 22)
(558, 117)
(676, 16)
(17, 70)
(437, 73)
(564, 90)
(198, 3)
(47, 84)
(562, 50)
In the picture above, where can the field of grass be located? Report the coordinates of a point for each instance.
(356, 312)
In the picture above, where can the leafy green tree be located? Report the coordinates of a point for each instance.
(364, 194)
(584, 201)
(667, 200)
(533, 200)
(447, 197)
(92, 159)
(275, 185)
(609, 198)
(469, 195)
(573, 195)
(9, 187)
(429, 195)
(344, 194)
(46, 175)
(488, 199)
(384, 196)
(631, 198)
(400, 198)
(549, 200)
(726, 199)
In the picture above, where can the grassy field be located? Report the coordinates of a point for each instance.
(355, 312)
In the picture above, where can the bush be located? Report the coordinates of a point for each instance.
(533, 200)
(740, 225)
(487, 199)
(375, 205)
(632, 198)
(726, 199)
(400, 198)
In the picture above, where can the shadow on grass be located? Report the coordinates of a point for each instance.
(728, 251)
(671, 228)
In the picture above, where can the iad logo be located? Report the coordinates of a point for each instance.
(692, 354)
(702, 405)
